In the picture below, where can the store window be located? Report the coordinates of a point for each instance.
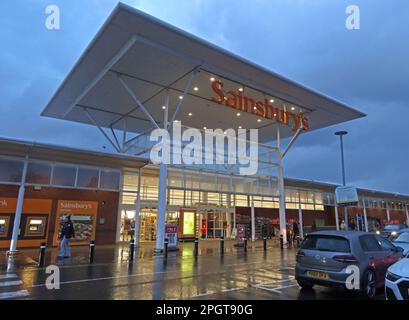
(64, 176)
(87, 178)
(193, 198)
(307, 207)
(130, 181)
(241, 200)
(213, 198)
(175, 179)
(11, 170)
(176, 197)
(318, 198)
(38, 173)
(110, 180)
(128, 197)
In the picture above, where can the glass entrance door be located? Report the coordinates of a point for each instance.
(148, 225)
(216, 224)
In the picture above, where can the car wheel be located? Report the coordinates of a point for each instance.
(369, 284)
(305, 285)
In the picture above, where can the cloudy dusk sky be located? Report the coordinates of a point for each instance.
(304, 40)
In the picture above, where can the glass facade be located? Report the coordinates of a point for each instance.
(60, 175)
(201, 189)
(11, 170)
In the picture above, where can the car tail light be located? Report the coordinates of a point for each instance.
(345, 259)
(300, 254)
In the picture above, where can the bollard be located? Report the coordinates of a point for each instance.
(265, 243)
(166, 247)
(42, 254)
(131, 250)
(91, 251)
(196, 247)
(222, 245)
(245, 244)
(281, 242)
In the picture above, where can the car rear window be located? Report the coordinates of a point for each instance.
(369, 243)
(326, 243)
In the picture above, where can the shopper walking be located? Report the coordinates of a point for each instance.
(296, 230)
(352, 224)
(67, 232)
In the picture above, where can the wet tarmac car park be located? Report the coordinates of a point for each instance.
(235, 275)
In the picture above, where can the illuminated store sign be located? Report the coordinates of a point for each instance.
(241, 102)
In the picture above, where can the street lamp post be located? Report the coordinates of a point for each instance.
(341, 134)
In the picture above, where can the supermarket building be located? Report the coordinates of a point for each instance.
(99, 190)
(141, 74)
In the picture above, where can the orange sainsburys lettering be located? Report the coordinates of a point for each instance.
(263, 109)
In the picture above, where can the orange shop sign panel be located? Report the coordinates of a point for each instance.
(241, 102)
(34, 222)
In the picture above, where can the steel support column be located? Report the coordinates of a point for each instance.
(300, 216)
(253, 221)
(138, 211)
(336, 216)
(163, 181)
(281, 189)
(228, 220)
(407, 214)
(365, 215)
(19, 208)
(388, 213)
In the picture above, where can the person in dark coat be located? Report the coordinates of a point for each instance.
(296, 230)
(66, 234)
(352, 225)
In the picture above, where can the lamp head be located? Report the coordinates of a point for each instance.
(341, 133)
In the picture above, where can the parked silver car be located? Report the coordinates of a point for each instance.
(325, 255)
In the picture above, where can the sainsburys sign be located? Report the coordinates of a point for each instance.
(241, 102)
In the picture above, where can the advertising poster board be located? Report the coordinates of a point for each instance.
(83, 215)
(346, 196)
(187, 224)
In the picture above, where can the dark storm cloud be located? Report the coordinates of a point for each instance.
(304, 40)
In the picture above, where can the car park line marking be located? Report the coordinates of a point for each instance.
(13, 295)
(8, 276)
(203, 294)
(273, 282)
(275, 289)
(234, 289)
(11, 283)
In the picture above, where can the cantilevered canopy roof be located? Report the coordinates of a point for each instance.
(151, 58)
